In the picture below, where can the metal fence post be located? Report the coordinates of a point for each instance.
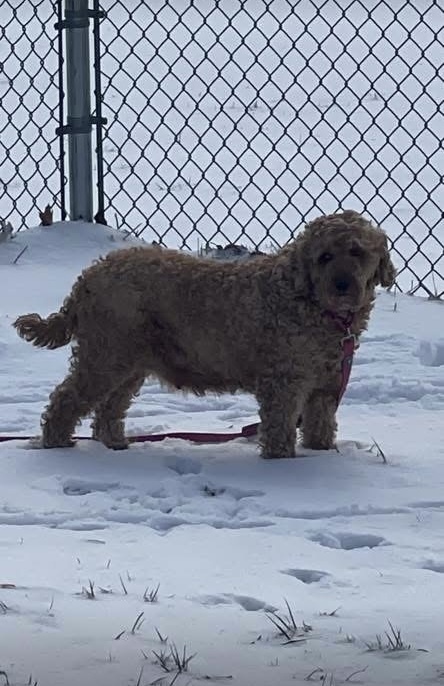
(79, 122)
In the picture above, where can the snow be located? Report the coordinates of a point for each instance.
(229, 537)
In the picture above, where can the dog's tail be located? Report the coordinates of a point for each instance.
(53, 332)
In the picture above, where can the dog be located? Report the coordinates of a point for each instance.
(271, 326)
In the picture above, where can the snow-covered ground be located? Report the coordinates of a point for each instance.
(350, 542)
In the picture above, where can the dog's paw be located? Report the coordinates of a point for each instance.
(117, 445)
(40, 443)
(35, 443)
(277, 454)
(319, 445)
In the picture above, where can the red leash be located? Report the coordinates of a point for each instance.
(349, 345)
(247, 431)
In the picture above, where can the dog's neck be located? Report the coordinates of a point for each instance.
(344, 321)
(350, 322)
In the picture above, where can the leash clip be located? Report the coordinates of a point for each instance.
(349, 336)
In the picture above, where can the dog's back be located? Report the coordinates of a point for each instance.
(186, 319)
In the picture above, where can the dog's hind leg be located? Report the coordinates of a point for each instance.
(108, 425)
(88, 382)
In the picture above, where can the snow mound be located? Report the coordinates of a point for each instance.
(50, 245)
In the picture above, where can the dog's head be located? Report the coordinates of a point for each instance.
(342, 257)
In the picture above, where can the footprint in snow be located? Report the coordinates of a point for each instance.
(307, 576)
(347, 541)
(183, 465)
(81, 487)
(437, 567)
(251, 604)
(231, 491)
(246, 602)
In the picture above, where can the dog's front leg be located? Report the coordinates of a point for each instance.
(280, 404)
(319, 420)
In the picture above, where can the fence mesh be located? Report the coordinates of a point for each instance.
(237, 120)
(29, 113)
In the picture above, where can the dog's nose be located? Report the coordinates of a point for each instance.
(342, 285)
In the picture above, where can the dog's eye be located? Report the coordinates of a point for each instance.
(325, 257)
(355, 251)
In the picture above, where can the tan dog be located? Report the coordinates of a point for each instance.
(267, 326)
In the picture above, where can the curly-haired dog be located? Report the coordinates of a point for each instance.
(267, 326)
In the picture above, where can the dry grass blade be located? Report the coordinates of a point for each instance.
(162, 639)
(123, 585)
(162, 680)
(378, 645)
(209, 677)
(394, 639)
(300, 639)
(105, 591)
(46, 216)
(150, 596)
(358, 671)
(315, 672)
(290, 613)
(139, 680)
(287, 626)
(163, 659)
(3, 608)
(330, 614)
(379, 451)
(181, 661)
(138, 623)
(280, 625)
(174, 679)
(89, 592)
(119, 636)
(19, 255)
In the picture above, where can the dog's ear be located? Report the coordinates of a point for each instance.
(386, 272)
(292, 267)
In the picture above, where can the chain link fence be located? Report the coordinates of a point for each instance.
(238, 120)
(31, 155)
(235, 121)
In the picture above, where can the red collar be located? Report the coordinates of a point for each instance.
(343, 321)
